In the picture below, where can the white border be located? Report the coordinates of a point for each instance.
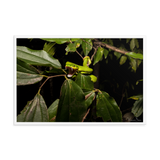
(77, 123)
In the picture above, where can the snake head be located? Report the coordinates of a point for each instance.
(72, 68)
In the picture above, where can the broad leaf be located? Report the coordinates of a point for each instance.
(84, 81)
(87, 46)
(26, 74)
(137, 109)
(34, 111)
(135, 55)
(37, 57)
(57, 40)
(122, 60)
(117, 54)
(71, 47)
(71, 107)
(105, 53)
(78, 43)
(89, 97)
(49, 48)
(52, 110)
(98, 55)
(107, 108)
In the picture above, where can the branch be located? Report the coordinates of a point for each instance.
(77, 51)
(48, 79)
(94, 52)
(111, 47)
(85, 115)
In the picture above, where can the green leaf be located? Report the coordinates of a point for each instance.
(137, 97)
(107, 108)
(26, 74)
(78, 43)
(139, 81)
(123, 60)
(135, 55)
(106, 51)
(75, 39)
(137, 109)
(71, 107)
(98, 55)
(71, 47)
(57, 40)
(117, 55)
(84, 81)
(37, 57)
(132, 44)
(52, 110)
(137, 43)
(34, 111)
(89, 96)
(49, 48)
(86, 47)
(133, 63)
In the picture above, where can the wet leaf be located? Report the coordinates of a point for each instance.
(34, 111)
(71, 107)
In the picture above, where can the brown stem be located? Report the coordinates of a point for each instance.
(94, 52)
(49, 78)
(85, 115)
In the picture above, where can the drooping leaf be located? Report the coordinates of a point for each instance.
(137, 43)
(117, 55)
(122, 60)
(139, 81)
(133, 63)
(89, 97)
(87, 46)
(84, 81)
(57, 40)
(132, 44)
(37, 57)
(71, 107)
(137, 109)
(34, 111)
(135, 55)
(27, 74)
(52, 110)
(98, 55)
(105, 53)
(49, 48)
(107, 108)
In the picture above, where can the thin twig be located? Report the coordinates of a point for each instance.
(85, 115)
(49, 78)
(111, 47)
(88, 43)
(94, 52)
(77, 51)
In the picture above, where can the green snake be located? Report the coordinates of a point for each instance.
(74, 68)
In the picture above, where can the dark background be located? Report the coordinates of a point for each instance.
(113, 78)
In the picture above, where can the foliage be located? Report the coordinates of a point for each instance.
(79, 100)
